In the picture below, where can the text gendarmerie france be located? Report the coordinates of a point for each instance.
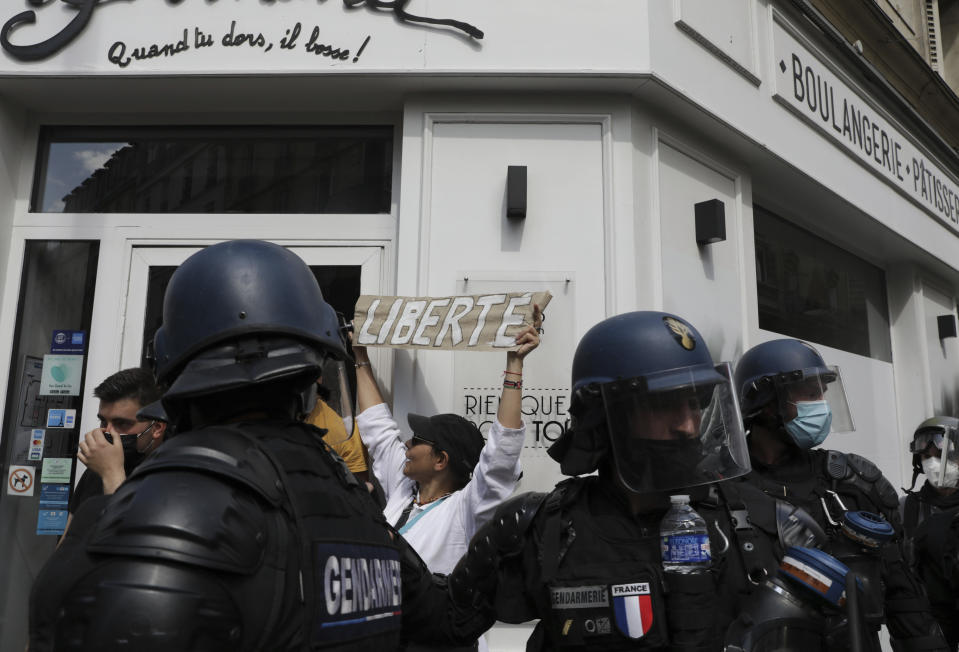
(854, 125)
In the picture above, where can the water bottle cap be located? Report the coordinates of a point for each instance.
(679, 499)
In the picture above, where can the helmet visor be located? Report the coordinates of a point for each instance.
(337, 396)
(807, 386)
(675, 429)
(943, 442)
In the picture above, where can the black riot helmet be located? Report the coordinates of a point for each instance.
(240, 317)
(786, 373)
(646, 393)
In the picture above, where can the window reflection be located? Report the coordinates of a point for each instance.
(192, 170)
(813, 290)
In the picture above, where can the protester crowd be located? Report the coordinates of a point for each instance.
(701, 511)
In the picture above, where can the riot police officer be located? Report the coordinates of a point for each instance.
(243, 532)
(654, 416)
(790, 401)
(930, 519)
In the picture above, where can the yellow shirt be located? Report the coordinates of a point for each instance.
(349, 448)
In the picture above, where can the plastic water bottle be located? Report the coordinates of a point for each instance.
(685, 538)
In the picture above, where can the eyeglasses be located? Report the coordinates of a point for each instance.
(416, 441)
(135, 435)
(144, 431)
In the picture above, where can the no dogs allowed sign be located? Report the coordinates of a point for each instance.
(21, 480)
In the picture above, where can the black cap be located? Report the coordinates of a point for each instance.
(454, 435)
(153, 412)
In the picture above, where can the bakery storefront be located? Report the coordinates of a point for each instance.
(377, 139)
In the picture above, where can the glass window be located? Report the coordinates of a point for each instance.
(214, 170)
(811, 289)
(43, 411)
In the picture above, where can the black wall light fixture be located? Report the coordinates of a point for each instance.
(710, 222)
(947, 326)
(516, 191)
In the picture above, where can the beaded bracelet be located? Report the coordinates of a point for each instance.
(512, 384)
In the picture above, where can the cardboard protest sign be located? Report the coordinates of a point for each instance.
(486, 322)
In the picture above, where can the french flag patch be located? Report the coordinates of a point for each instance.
(633, 606)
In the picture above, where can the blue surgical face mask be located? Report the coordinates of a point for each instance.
(811, 425)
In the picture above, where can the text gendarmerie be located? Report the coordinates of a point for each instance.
(358, 584)
(579, 597)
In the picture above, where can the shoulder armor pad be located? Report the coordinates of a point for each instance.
(205, 521)
(220, 452)
(502, 537)
(513, 518)
(887, 493)
(866, 469)
(868, 479)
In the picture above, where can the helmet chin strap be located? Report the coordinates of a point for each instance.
(915, 475)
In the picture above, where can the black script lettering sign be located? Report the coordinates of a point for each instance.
(86, 8)
(234, 39)
(55, 43)
(398, 7)
(323, 49)
(118, 51)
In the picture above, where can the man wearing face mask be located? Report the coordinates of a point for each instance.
(790, 401)
(930, 519)
(109, 460)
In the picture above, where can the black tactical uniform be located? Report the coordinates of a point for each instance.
(582, 551)
(930, 519)
(243, 532)
(650, 413)
(246, 555)
(931, 523)
(827, 484)
(893, 595)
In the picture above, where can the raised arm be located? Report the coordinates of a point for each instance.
(367, 391)
(495, 476)
(509, 414)
(379, 431)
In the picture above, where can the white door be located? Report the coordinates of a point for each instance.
(346, 271)
(471, 247)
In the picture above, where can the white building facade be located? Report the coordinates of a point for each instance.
(376, 145)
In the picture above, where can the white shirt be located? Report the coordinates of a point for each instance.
(443, 532)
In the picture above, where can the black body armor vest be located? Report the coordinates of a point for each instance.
(243, 537)
(595, 575)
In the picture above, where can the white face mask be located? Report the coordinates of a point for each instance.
(931, 466)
